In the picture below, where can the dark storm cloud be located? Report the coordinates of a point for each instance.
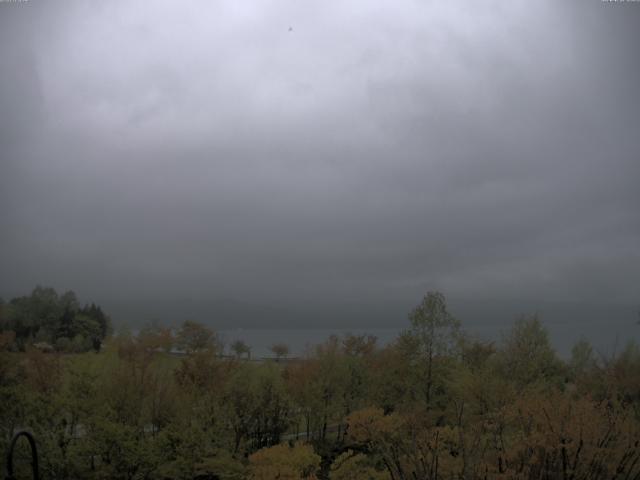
(201, 149)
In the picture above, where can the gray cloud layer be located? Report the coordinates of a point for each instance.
(381, 148)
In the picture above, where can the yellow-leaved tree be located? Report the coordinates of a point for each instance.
(285, 463)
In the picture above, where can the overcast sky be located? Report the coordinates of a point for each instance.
(321, 149)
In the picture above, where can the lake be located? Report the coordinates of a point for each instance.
(606, 337)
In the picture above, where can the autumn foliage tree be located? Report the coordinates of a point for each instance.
(284, 462)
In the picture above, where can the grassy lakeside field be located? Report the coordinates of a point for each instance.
(434, 403)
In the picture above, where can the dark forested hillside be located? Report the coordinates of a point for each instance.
(53, 322)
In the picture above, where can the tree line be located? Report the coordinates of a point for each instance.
(433, 404)
(55, 322)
